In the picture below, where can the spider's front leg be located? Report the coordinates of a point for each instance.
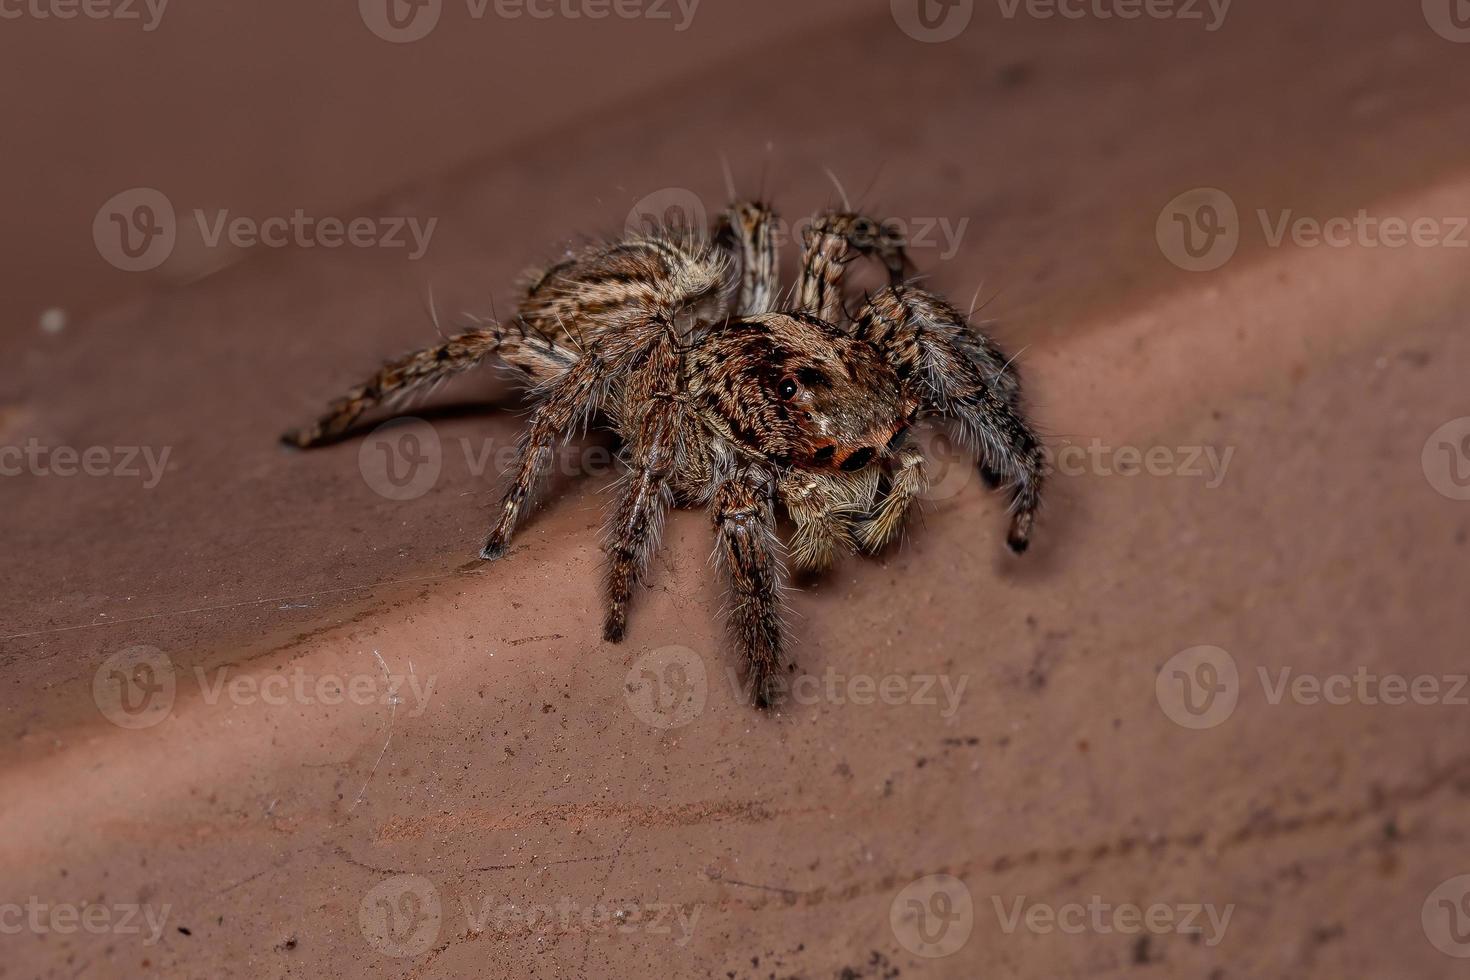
(748, 230)
(745, 523)
(833, 240)
(961, 375)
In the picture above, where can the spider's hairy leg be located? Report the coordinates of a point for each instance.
(962, 376)
(612, 302)
(833, 240)
(825, 509)
(909, 320)
(398, 378)
(653, 413)
(566, 401)
(745, 524)
(748, 230)
(907, 484)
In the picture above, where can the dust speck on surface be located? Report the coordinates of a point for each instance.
(53, 321)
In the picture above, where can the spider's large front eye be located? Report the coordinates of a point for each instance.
(787, 389)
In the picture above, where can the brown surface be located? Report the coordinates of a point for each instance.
(528, 779)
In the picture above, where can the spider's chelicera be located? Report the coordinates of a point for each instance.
(729, 398)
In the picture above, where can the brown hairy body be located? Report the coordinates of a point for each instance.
(725, 400)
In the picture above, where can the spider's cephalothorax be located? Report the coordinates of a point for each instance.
(726, 398)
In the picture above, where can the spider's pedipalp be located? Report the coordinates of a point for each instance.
(826, 509)
(907, 484)
(833, 240)
(748, 230)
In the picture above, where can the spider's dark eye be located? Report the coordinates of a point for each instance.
(787, 389)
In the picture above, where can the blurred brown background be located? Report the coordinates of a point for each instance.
(1130, 718)
(281, 105)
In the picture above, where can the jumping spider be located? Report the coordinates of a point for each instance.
(727, 397)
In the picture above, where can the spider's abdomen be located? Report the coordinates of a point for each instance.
(611, 288)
